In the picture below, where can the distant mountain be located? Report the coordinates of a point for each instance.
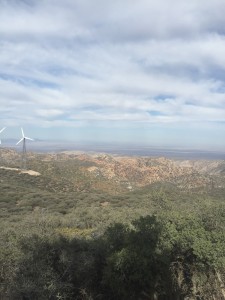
(120, 149)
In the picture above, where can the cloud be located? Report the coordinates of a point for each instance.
(68, 62)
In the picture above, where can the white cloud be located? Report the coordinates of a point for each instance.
(137, 62)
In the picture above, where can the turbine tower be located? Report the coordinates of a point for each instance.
(1, 132)
(24, 153)
(1, 141)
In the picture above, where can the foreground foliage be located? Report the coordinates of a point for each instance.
(164, 256)
(62, 240)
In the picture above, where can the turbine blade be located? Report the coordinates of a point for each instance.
(22, 132)
(19, 141)
(27, 138)
(2, 129)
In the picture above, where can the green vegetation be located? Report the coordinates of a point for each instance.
(164, 256)
(65, 239)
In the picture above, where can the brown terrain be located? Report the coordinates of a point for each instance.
(114, 173)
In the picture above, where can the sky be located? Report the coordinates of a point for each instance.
(122, 71)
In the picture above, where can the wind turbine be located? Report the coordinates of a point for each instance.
(24, 154)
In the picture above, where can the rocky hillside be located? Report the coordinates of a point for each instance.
(113, 173)
(210, 167)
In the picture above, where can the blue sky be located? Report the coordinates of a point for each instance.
(145, 71)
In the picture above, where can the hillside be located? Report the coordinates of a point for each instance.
(101, 188)
(115, 174)
(71, 222)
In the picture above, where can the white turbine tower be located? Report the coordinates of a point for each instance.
(1, 141)
(24, 154)
(1, 132)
